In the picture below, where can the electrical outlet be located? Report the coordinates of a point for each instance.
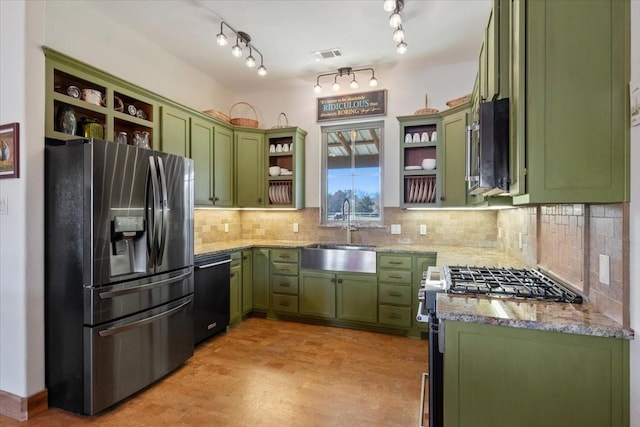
(226, 228)
(396, 229)
(604, 269)
(520, 240)
(499, 232)
(295, 227)
(423, 229)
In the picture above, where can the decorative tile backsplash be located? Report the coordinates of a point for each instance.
(568, 240)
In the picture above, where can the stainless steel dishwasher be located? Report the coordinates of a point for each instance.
(211, 295)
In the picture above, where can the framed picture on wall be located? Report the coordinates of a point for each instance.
(9, 150)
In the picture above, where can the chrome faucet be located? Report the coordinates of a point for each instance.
(346, 213)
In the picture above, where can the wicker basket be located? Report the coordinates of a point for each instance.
(244, 121)
(459, 101)
(283, 122)
(218, 115)
(426, 109)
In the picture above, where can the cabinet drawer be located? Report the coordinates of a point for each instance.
(284, 255)
(284, 284)
(400, 295)
(285, 303)
(395, 276)
(236, 259)
(393, 261)
(396, 316)
(284, 268)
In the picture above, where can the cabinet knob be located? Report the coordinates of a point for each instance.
(216, 198)
(212, 198)
(259, 199)
(339, 280)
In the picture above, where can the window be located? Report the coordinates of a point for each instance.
(352, 170)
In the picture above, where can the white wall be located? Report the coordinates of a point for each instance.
(21, 231)
(406, 84)
(635, 226)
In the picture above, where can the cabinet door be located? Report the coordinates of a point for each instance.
(261, 274)
(223, 166)
(175, 131)
(577, 129)
(235, 300)
(249, 148)
(357, 298)
(247, 281)
(454, 129)
(317, 294)
(202, 155)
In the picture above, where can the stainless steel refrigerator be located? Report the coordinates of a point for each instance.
(118, 270)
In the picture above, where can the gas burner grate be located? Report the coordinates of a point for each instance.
(506, 282)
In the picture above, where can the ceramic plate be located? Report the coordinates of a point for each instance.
(412, 168)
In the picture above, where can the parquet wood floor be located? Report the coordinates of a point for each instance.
(276, 373)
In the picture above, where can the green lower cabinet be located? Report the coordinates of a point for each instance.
(261, 276)
(247, 281)
(235, 289)
(498, 376)
(318, 294)
(285, 303)
(357, 297)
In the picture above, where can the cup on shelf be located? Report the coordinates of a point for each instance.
(416, 137)
(121, 138)
(279, 148)
(272, 148)
(274, 170)
(434, 136)
(92, 96)
(408, 138)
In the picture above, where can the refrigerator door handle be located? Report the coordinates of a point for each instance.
(132, 325)
(152, 243)
(120, 292)
(163, 212)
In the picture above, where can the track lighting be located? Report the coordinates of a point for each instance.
(242, 38)
(401, 48)
(345, 71)
(389, 5)
(395, 22)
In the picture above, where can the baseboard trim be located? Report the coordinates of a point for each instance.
(23, 408)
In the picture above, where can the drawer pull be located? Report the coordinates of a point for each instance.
(394, 294)
(232, 275)
(396, 277)
(285, 256)
(284, 269)
(394, 316)
(395, 262)
(284, 303)
(285, 285)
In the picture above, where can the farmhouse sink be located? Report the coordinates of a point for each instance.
(339, 257)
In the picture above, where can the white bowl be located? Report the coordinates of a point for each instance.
(428, 164)
(274, 170)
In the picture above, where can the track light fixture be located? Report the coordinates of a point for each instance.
(345, 71)
(395, 22)
(242, 38)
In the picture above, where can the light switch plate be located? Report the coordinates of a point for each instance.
(519, 240)
(396, 229)
(295, 227)
(226, 228)
(604, 269)
(423, 229)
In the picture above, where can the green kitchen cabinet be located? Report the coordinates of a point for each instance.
(284, 280)
(235, 288)
(212, 154)
(453, 168)
(261, 276)
(420, 137)
(357, 297)
(318, 294)
(175, 130)
(494, 55)
(395, 277)
(249, 155)
(285, 149)
(569, 101)
(498, 376)
(247, 281)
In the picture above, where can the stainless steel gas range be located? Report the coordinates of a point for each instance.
(495, 282)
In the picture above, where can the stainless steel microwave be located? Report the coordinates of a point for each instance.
(487, 153)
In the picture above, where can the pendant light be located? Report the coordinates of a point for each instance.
(242, 38)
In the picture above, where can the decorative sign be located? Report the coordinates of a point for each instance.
(352, 106)
(9, 150)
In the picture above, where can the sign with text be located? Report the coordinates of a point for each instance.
(351, 106)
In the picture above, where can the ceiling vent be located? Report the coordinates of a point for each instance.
(319, 55)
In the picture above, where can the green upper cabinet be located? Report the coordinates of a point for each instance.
(118, 106)
(249, 154)
(420, 138)
(454, 134)
(570, 119)
(175, 130)
(202, 155)
(284, 151)
(223, 166)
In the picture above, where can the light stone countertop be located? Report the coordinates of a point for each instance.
(581, 319)
(549, 316)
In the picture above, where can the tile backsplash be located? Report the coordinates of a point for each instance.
(567, 240)
(444, 227)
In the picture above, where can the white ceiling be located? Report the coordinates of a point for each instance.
(286, 32)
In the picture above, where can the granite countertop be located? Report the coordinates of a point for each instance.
(583, 319)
